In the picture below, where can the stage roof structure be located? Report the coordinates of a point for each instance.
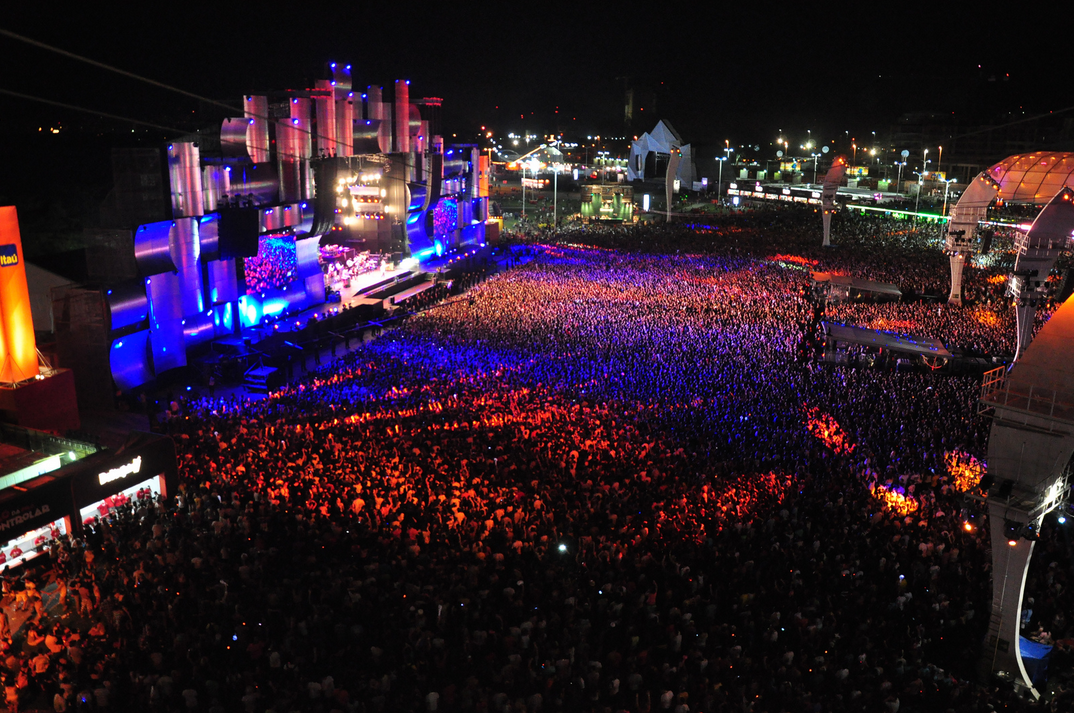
(663, 139)
(879, 339)
(1033, 177)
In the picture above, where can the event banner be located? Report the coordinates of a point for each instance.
(18, 349)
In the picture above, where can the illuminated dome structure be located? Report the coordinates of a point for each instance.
(1033, 177)
(1030, 178)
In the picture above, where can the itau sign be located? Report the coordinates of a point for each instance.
(18, 348)
(9, 255)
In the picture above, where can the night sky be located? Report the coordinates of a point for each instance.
(742, 73)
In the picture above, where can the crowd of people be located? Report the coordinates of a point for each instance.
(275, 265)
(613, 478)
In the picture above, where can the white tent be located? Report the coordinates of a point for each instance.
(661, 140)
(40, 282)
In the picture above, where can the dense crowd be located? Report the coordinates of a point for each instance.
(614, 478)
(275, 265)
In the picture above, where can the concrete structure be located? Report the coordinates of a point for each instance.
(1029, 457)
(961, 236)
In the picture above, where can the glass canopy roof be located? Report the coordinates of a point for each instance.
(1033, 177)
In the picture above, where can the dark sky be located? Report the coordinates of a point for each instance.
(741, 73)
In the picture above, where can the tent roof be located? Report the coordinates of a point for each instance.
(903, 343)
(664, 129)
(854, 283)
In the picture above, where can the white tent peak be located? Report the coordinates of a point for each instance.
(662, 140)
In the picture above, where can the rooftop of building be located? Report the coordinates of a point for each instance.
(26, 453)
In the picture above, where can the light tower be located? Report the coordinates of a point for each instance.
(961, 237)
(832, 179)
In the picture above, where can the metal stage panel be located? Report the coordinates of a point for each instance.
(165, 297)
(215, 183)
(314, 289)
(233, 138)
(223, 282)
(402, 116)
(166, 328)
(341, 80)
(257, 137)
(279, 217)
(324, 105)
(209, 236)
(198, 329)
(128, 359)
(366, 136)
(345, 126)
(308, 255)
(473, 234)
(127, 304)
(256, 182)
(271, 219)
(186, 253)
(300, 118)
(289, 150)
(253, 309)
(167, 348)
(184, 169)
(152, 248)
(305, 218)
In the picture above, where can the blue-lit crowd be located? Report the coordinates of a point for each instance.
(616, 477)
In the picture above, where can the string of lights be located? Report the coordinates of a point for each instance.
(95, 112)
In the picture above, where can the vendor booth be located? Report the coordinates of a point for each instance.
(61, 501)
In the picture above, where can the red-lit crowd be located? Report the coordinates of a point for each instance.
(606, 480)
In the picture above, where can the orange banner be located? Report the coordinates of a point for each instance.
(483, 168)
(18, 348)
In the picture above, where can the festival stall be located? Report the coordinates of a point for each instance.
(60, 502)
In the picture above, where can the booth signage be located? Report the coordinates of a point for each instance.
(11, 518)
(121, 472)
